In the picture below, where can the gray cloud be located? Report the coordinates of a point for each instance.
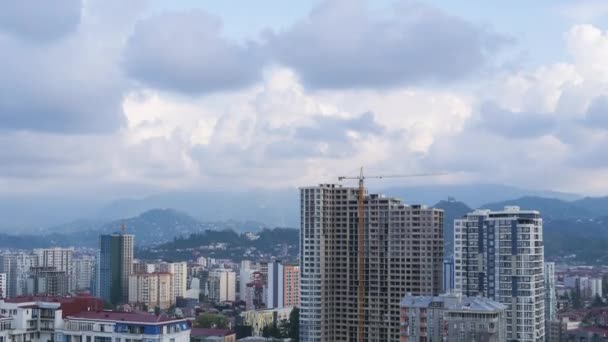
(597, 113)
(186, 52)
(342, 44)
(40, 20)
(515, 124)
(327, 137)
(72, 86)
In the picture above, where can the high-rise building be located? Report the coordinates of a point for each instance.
(114, 266)
(403, 253)
(291, 286)
(448, 275)
(17, 268)
(47, 280)
(255, 293)
(3, 292)
(59, 258)
(151, 289)
(499, 255)
(550, 294)
(83, 273)
(222, 285)
(179, 274)
(452, 318)
(275, 285)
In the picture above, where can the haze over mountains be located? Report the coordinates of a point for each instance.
(271, 207)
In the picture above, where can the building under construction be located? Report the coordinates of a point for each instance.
(402, 252)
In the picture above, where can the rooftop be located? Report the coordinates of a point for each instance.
(135, 317)
(201, 332)
(453, 302)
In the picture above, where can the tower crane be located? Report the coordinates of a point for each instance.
(361, 239)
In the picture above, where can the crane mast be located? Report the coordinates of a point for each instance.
(361, 243)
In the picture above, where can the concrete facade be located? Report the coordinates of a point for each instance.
(404, 253)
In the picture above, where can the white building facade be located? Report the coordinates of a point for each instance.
(500, 255)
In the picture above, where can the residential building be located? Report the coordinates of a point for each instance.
(291, 286)
(448, 275)
(222, 285)
(17, 267)
(107, 326)
(452, 318)
(47, 280)
(212, 335)
(114, 266)
(3, 292)
(275, 285)
(246, 272)
(5, 328)
(403, 253)
(255, 293)
(59, 258)
(258, 319)
(83, 273)
(500, 255)
(179, 274)
(143, 267)
(153, 290)
(550, 295)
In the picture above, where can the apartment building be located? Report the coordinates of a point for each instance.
(153, 290)
(83, 273)
(500, 255)
(59, 258)
(452, 318)
(222, 285)
(403, 254)
(114, 266)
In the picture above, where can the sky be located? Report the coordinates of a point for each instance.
(114, 98)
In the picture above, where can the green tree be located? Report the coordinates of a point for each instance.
(576, 298)
(294, 325)
(243, 331)
(271, 331)
(209, 320)
(597, 301)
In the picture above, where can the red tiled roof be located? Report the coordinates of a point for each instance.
(69, 304)
(122, 316)
(202, 332)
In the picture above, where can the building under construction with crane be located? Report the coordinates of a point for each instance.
(360, 254)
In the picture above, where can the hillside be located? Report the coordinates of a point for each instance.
(451, 210)
(281, 242)
(152, 227)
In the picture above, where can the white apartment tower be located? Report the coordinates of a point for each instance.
(550, 295)
(83, 273)
(179, 273)
(403, 254)
(60, 258)
(3, 292)
(500, 255)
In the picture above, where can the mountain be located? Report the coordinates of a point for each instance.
(278, 242)
(274, 208)
(152, 227)
(549, 207)
(597, 205)
(451, 210)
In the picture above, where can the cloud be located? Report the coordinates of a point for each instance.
(597, 113)
(186, 52)
(515, 125)
(40, 20)
(343, 44)
(73, 85)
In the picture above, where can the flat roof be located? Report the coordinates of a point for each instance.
(116, 316)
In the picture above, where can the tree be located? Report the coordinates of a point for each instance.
(294, 325)
(577, 300)
(243, 331)
(209, 320)
(597, 301)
